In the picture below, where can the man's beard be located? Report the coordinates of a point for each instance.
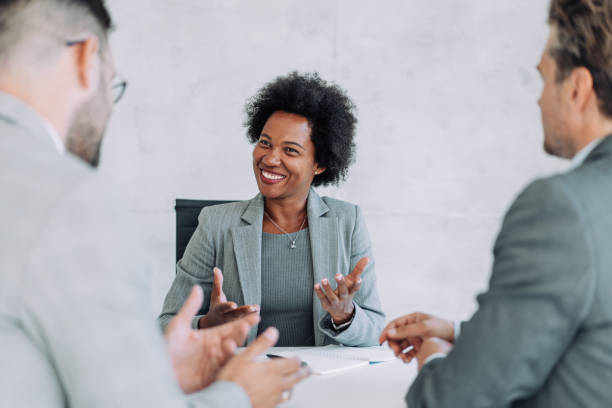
(86, 131)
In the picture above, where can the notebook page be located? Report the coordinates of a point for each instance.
(331, 359)
(375, 354)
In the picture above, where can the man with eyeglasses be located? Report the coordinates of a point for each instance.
(75, 325)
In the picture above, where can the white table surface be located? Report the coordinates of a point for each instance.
(376, 385)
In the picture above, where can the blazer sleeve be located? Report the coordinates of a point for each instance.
(368, 320)
(540, 291)
(92, 317)
(195, 268)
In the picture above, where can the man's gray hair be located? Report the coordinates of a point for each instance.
(35, 30)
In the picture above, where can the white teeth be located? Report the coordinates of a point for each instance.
(271, 176)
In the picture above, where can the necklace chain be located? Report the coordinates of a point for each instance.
(293, 246)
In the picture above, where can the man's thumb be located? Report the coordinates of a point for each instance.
(192, 305)
(265, 340)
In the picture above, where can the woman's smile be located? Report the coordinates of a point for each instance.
(269, 177)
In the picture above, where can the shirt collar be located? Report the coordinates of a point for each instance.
(581, 156)
(20, 113)
(57, 141)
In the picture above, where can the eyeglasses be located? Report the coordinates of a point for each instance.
(118, 84)
(118, 87)
(73, 43)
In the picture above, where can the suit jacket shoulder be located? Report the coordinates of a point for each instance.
(75, 320)
(547, 306)
(340, 208)
(225, 216)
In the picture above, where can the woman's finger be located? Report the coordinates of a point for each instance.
(322, 297)
(223, 307)
(355, 287)
(358, 270)
(329, 292)
(343, 291)
(240, 311)
(217, 295)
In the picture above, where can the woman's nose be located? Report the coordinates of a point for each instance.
(272, 158)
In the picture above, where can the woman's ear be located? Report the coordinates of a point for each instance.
(318, 170)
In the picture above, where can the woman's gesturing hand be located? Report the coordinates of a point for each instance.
(220, 310)
(339, 302)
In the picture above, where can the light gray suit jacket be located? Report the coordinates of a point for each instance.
(75, 325)
(229, 237)
(542, 335)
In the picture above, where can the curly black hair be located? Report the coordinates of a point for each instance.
(328, 109)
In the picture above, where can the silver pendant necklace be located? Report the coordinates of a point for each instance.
(293, 245)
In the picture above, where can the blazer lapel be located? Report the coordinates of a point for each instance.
(247, 249)
(323, 228)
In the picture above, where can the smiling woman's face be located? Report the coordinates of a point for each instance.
(284, 157)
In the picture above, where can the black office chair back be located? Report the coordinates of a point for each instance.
(187, 212)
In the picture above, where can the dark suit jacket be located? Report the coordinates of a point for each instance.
(542, 335)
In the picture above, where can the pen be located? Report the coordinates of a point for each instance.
(302, 363)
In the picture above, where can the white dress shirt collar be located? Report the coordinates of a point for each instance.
(57, 141)
(581, 156)
(17, 111)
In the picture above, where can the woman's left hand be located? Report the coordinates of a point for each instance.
(339, 302)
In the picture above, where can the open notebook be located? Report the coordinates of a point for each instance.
(333, 358)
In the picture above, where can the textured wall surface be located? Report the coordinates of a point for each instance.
(449, 129)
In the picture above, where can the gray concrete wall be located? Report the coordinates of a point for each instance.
(449, 129)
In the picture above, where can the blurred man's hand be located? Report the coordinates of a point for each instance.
(412, 330)
(268, 383)
(431, 346)
(198, 355)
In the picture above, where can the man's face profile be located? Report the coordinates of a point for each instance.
(89, 121)
(557, 140)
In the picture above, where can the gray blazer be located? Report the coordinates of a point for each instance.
(75, 324)
(229, 237)
(542, 335)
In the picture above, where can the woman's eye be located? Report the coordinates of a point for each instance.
(264, 143)
(290, 150)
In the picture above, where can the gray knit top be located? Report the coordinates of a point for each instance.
(287, 288)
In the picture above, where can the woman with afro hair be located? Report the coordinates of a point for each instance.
(302, 261)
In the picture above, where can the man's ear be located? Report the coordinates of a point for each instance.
(87, 62)
(581, 88)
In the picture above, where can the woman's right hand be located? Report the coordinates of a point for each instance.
(220, 310)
